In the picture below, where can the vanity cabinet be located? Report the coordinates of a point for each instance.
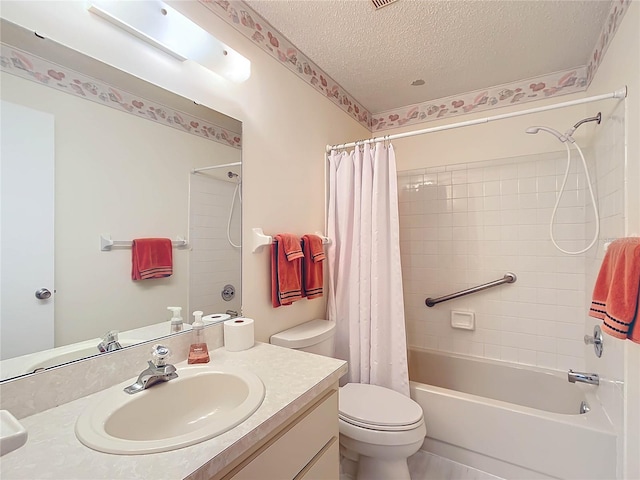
(306, 447)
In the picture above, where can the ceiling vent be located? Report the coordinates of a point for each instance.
(378, 4)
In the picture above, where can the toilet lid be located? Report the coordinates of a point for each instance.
(377, 407)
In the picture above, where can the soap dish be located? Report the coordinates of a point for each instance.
(12, 434)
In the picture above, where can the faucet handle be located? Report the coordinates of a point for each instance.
(110, 336)
(160, 353)
(596, 340)
(109, 342)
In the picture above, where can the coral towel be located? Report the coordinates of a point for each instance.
(286, 253)
(312, 277)
(151, 258)
(615, 295)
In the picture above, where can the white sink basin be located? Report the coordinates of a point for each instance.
(203, 402)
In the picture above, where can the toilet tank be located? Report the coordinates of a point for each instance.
(316, 336)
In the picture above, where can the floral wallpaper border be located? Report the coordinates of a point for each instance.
(31, 67)
(618, 9)
(537, 88)
(244, 19)
(253, 26)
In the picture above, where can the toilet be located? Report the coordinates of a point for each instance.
(379, 427)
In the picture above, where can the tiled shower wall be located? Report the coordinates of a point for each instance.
(213, 262)
(468, 224)
(608, 164)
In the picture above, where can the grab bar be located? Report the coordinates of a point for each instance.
(508, 278)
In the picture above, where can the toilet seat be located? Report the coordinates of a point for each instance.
(378, 408)
(380, 428)
(371, 436)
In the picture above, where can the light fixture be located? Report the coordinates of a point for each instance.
(168, 30)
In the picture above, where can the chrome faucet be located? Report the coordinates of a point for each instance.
(109, 342)
(156, 372)
(590, 378)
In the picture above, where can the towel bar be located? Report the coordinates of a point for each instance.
(508, 278)
(260, 239)
(106, 243)
(609, 241)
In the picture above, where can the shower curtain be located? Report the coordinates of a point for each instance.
(365, 277)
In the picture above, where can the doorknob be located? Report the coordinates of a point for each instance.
(43, 294)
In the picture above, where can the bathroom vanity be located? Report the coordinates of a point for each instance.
(293, 434)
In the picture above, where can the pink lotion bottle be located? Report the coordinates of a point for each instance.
(198, 352)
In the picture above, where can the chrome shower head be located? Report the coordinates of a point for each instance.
(597, 119)
(555, 133)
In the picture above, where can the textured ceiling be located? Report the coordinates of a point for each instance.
(455, 46)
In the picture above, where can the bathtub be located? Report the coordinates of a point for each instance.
(513, 421)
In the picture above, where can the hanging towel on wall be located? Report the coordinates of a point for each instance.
(312, 275)
(151, 258)
(615, 295)
(286, 254)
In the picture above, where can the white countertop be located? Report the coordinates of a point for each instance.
(292, 379)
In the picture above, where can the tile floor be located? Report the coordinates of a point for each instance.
(427, 466)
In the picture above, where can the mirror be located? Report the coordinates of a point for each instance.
(92, 155)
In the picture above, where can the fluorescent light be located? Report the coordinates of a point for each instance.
(168, 30)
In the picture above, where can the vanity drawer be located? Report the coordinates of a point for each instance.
(325, 465)
(298, 445)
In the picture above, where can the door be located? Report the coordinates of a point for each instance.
(26, 230)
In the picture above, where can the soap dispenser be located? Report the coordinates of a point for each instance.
(176, 320)
(198, 352)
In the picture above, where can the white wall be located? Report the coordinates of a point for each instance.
(286, 126)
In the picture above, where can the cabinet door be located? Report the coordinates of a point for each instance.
(289, 454)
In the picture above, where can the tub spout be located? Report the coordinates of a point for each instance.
(590, 378)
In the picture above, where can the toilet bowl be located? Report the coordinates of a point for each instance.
(379, 427)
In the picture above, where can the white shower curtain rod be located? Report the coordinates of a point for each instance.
(621, 93)
(224, 165)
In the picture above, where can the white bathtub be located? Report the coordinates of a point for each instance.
(513, 421)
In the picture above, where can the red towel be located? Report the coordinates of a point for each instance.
(312, 277)
(286, 285)
(151, 258)
(615, 295)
